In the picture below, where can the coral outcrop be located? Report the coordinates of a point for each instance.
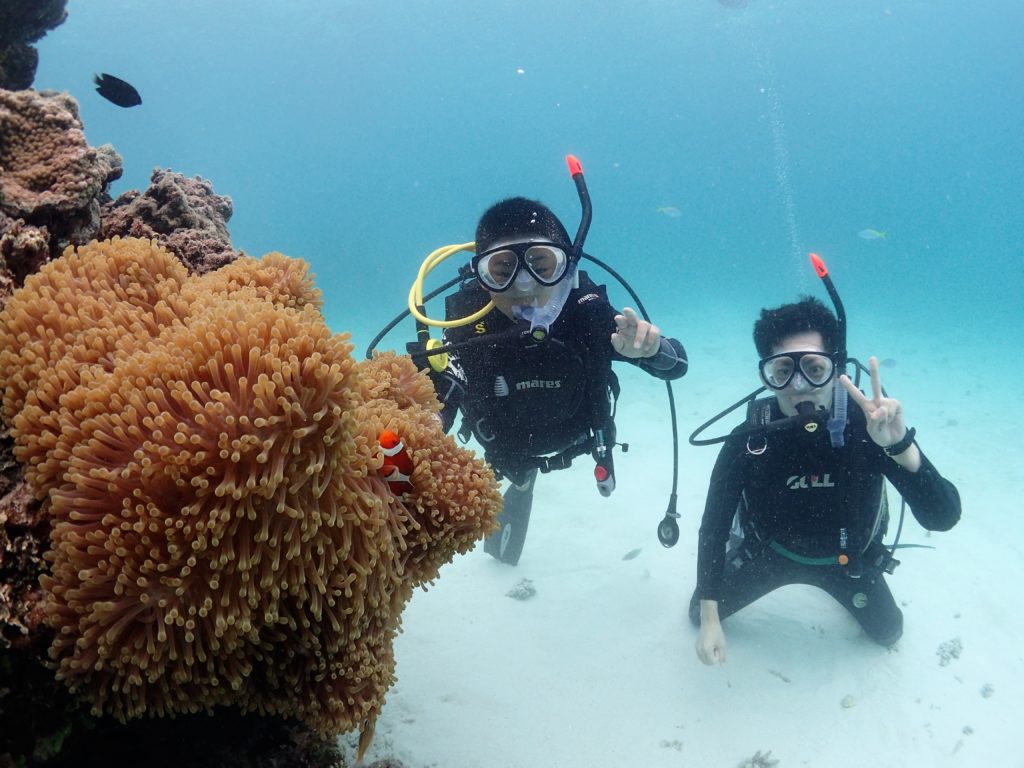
(52, 179)
(206, 451)
(184, 215)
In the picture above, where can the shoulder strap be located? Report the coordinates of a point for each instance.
(759, 412)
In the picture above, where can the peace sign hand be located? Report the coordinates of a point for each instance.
(884, 414)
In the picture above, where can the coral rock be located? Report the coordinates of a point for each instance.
(23, 22)
(24, 537)
(184, 215)
(23, 250)
(51, 176)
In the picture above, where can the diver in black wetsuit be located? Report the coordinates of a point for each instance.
(535, 400)
(787, 508)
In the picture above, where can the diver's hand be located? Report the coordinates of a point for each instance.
(635, 338)
(886, 425)
(711, 638)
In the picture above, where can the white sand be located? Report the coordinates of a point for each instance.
(598, 668)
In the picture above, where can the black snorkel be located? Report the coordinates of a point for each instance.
(576, 171)
(808, 420)
(822, 271)
(836, 423)
(537, 321)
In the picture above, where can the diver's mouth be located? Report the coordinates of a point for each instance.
(524, 301)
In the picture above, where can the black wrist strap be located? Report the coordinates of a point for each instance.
(897, 448)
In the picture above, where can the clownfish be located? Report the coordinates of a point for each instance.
(397, 467)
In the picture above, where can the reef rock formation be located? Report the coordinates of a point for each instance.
(184, 215)
(52, 179)
(23, 250)
(206, 452)
(23, 22)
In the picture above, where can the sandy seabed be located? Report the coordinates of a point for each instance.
(598, 668)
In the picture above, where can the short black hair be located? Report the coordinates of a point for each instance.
(808, 314)
(519, 217)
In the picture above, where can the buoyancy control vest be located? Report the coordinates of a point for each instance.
(526, 399)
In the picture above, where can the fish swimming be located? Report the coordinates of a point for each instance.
(116, 90)
(397, 468)
(669, 210)
(871, 234)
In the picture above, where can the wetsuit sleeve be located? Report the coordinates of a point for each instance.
(723, 499)
(669, 363)
(932, 499)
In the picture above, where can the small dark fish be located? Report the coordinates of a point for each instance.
(116, 90)
(631, 554)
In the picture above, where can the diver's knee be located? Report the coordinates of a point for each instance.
(890, 632)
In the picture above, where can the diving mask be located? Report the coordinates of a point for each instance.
(816, 368)
(497, 269)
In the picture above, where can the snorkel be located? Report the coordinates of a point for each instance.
(541, 317)
(576, 171)
(836, 423)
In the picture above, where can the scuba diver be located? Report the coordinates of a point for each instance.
(528, 345)
(539, 391)
(797, 494)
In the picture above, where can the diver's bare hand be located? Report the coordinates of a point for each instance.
(634, 337)
(711, 637)
(711, 644)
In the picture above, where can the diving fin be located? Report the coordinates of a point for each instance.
(506, 543)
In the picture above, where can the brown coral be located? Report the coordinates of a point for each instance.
(23, 250)
(51, 176)
(221, 534)
(24, 531)
(184, 215)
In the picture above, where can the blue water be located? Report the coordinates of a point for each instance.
(361, 135)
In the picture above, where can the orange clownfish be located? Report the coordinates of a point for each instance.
(397, 467)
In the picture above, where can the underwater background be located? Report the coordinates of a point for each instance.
(721, 142)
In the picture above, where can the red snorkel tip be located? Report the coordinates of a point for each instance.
(575, 167)
(819, 265)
